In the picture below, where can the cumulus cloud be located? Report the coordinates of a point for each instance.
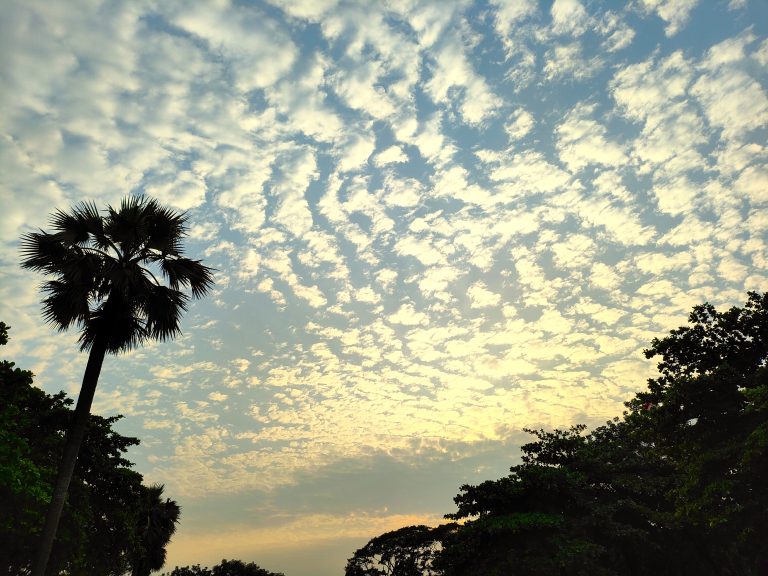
(568, 17)
(582, 141)
(453, 70)
(481, 297)
(519, 124)
(247, 36)
(392, 155)
(408, 316)
(674, 12)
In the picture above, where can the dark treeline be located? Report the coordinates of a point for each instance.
(224, 568)
(677, 486)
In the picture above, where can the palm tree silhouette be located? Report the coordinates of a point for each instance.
(105, 272)
(156, 524)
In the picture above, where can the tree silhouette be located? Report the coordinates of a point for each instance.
(675, 487)
(103, 283)
(225, 568)
(156, 524)
(409, 551)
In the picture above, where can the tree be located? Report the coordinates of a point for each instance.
(100, 523)
(103, 283)
(224, 568)
(675, 487)
(578, 504)
(155, 525)
(240, 568)
(708, 413)
(194, 570)
(409, 551)
(23, 477)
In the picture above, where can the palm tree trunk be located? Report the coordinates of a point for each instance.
(75, 437)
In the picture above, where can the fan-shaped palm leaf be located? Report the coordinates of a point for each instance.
(156, 524)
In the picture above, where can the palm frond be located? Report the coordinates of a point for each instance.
(70, 229)
(81, 226)
(118, 322)
(163, 308)
(156, 523)
(186, 272)
(81, 269)
(44, 252)
(129, 278)
(88, 214)
(104, 285)
(66, 303)
(165, 228)
(127, 227)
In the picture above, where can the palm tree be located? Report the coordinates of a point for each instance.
(156, 524)
(105, 272)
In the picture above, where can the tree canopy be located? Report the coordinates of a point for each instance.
(102, 531)
(104, 272)
(678, 485)
(224, 568)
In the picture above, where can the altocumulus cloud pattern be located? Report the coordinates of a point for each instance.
(434, 223)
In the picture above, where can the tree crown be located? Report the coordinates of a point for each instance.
(105, 268)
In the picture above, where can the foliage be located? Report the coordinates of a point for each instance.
(675, 487)
(155, 524)
(104, 268)
(98, 533)
(409, 551)
(225, 568)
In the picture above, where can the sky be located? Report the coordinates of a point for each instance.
(433, 223)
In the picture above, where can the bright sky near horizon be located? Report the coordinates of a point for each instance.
(434, 223)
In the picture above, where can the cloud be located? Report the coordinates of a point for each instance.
(247, 36)
(606, 207)
(296, 170)
(519, 124)
(753, 184)
(674, 12)
(509, 16)
(657, 264)
(481, 297)
(526, 173)
(355, 151)
(582, 141)
(569, 61)
(408, 316)
(422, 249)
(310, 9)
(430, 19)
(292, 535)
(453, 70)
(180, 190)
(568, 17)
(618, 34)
(392, 155)
(645, 88)
(575, 251)
(746, 107)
